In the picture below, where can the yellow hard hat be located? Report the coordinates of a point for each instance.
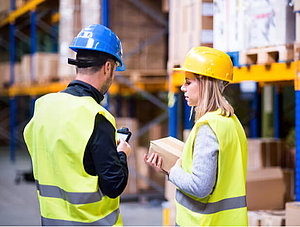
(209, 62)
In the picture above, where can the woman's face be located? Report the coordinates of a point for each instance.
(191, 89)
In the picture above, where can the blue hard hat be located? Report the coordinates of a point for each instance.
(99, 38)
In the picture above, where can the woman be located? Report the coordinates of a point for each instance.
(211, 175)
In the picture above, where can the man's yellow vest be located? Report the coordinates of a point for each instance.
(56, 138)
(227, 203)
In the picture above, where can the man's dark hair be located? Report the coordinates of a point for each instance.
(90, 61)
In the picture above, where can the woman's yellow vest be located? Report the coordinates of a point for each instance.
(56, 138)
(227, 203)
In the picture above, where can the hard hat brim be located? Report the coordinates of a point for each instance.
(182, 69)
(119, 68)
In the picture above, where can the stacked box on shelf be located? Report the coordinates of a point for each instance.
(269, 182)
(265, 189)
(5, 6)
(266, 218)
(190, 25)
(135, 29)
(228, 32)
(241, 25)
(297, 35)
(4, 9)
(292, 213)
(274, 23)
(69, 26)
(5, 73)
(265, 153)
(45, 69)
(74, 15)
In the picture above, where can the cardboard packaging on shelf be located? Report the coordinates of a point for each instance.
(292, 210)
(265, 189)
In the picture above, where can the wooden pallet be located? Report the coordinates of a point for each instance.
(266, 218)
(297, 51)
(267, 55)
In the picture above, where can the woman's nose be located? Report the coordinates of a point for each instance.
(182, 88)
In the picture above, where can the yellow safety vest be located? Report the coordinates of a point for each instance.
(56, 138)
(227, 203)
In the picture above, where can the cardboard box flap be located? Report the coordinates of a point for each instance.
(169, 148)
(168, 144)
(264, 174)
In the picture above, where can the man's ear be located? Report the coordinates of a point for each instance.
(107, 67)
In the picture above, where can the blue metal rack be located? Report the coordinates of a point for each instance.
(12, 80)
(297, 140)
(105, 22)
(255, 115)
(173, 108)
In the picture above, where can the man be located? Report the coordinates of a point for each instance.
(79, 169)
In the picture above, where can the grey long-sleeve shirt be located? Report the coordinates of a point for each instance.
(202, 179)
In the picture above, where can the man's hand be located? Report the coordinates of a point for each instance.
(124, 146)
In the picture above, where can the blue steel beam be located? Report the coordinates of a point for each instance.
(188, 124)
(33, 44)
(12, 80)
(173, 113)
(105, 13)
(255, 122)
(105, 21)
(33, 48)
(297, 140)
(277, 111)
(54, 38)
(54, 34)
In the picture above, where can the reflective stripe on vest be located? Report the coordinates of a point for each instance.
(109, 220)
(210, 208)
(71, 197)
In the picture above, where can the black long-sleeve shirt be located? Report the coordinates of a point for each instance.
(101, 157)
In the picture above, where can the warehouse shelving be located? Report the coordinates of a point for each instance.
(13, 91)
(145, 84)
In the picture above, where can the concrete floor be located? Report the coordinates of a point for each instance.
(19, 203)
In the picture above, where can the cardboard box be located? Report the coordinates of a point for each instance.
(190, 25)
(289, 181)
(234, 29)
(273, 218)
(265, 153)
(169, 149)
(292, 213)
(266, 218)
(296, 5)
(265, 189)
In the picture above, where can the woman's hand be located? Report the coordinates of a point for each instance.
(155, 161)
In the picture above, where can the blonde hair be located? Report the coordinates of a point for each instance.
(211, 97)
